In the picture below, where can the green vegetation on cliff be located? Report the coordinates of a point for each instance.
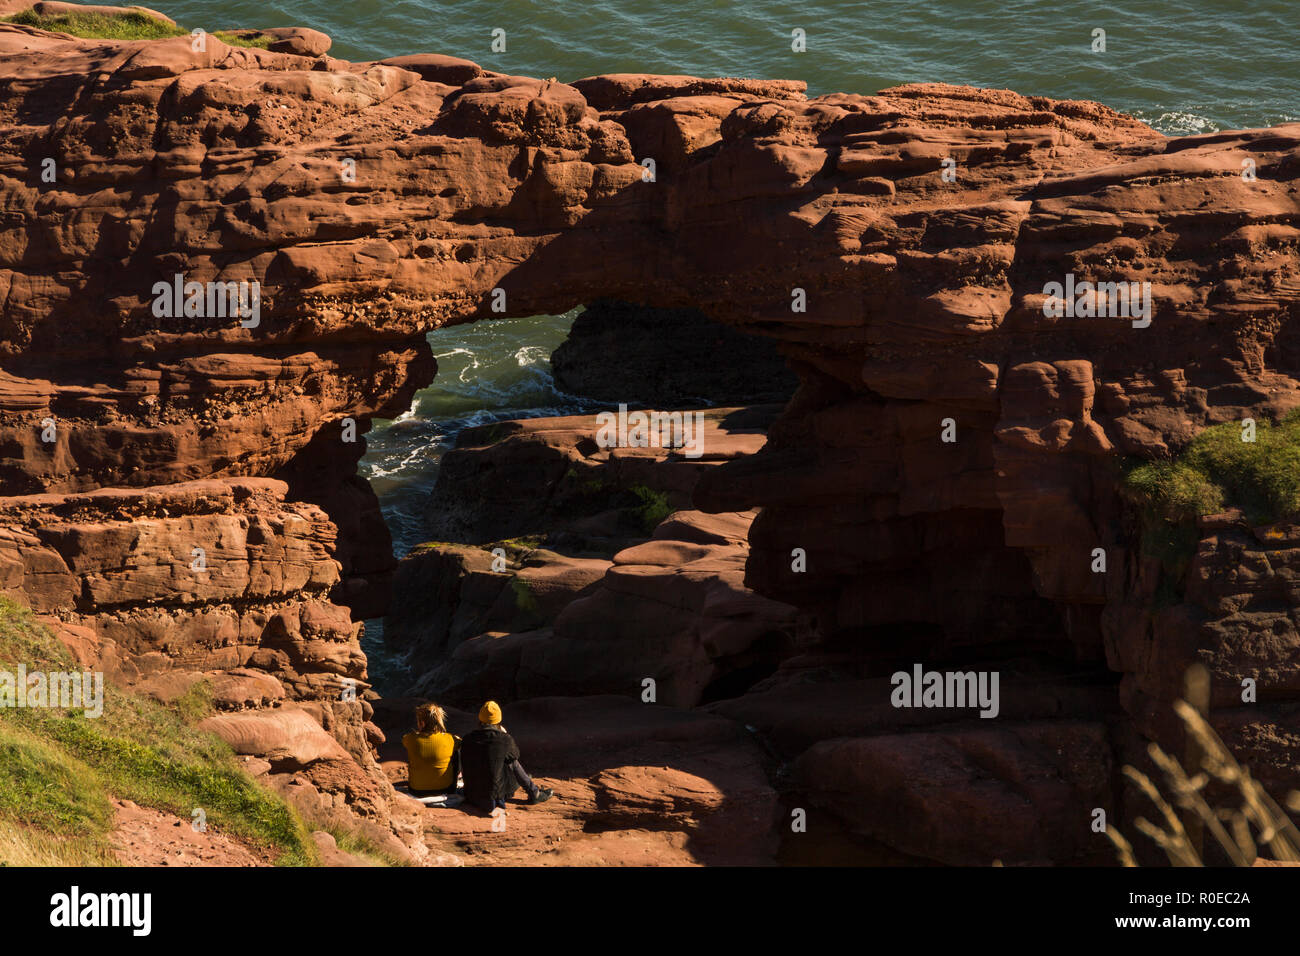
(654, 507)
(260, 41)
(60, 767)
(1219, 470)
(133, 25)
(1216, 471)
(100, 26)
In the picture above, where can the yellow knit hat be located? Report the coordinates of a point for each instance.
(490, 713)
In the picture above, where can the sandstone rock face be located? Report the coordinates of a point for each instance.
(544, 475)
(206, 575)
(675, 612)
(220, 581)
(1237, 617)
(613, 593)
(971, 796)
(282, 736)
(451, 594)
(667, 358)
(374, 202)
(673, 609)
(807, 702)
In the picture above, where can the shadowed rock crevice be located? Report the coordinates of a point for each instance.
(667, 358)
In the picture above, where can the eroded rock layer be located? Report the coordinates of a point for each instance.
(666, 358)
(376, 201)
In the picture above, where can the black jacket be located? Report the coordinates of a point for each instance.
(485, 756)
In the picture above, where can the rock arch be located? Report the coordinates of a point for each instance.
(923, 302)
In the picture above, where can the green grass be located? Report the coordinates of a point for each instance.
(195, 704)
(525, 599)
(654, 506)
(259, 42)
(434, 546)
(126, 26)
(60, 767)
(1216, 471)
(45, 790)
(527, 542)
(1219, 470)
(358, 844)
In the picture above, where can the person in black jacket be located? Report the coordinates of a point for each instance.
(489, 760)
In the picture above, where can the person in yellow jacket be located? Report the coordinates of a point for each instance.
(432, 753)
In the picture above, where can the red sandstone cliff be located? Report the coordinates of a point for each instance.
(376, 201)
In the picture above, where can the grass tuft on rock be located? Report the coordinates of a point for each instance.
(360, 845)
(654, 508)
(260, 41)
(1216, 471)
(133, 25)
(101, 26)
(60, 768)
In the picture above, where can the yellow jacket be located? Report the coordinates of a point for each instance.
(428, 760)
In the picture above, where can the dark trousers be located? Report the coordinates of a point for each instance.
(521, 778)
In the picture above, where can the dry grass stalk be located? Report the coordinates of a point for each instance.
(1258, 820)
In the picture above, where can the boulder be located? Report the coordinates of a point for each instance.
(287, 737)
(1018, 793)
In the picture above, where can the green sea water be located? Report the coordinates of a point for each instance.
(1183, 65)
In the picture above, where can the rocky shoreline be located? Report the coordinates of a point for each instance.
(374, 202)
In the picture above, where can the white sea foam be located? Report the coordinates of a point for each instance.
(531, 355)
(1180, 123)
(409, 414)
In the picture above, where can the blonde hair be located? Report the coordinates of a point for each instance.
(430, 718)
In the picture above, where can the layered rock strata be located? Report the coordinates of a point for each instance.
(373, 202)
